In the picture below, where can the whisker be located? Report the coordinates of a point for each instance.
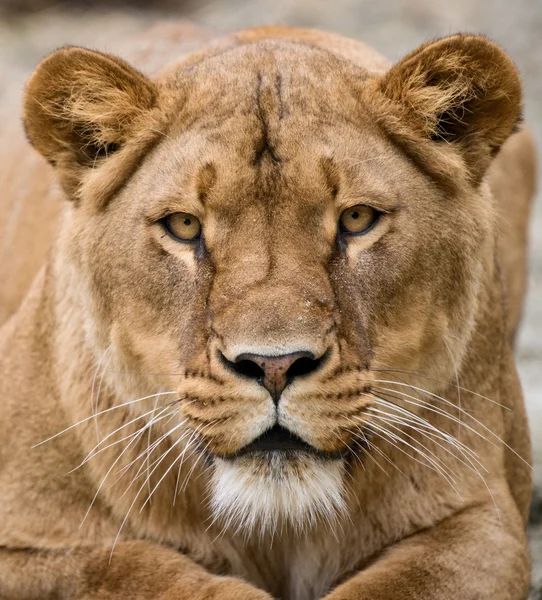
(124, 469)
(443, 413)
(385, 457)
(180, 467)
(457, 384)
(394, 424)
(388, 441)
(421, 422)
(149, 441)
(95, 452)
(470, 466)
(180, 457)
(435, 456)
(122, 472)
(94, 405)
(200, 456)
(164, 456)
(433, 465)
(419, 374)
(177, 483)
(431, 408)
(100, 413)
(156, 462)
(154, 445)
(107, 475)
(374, 447)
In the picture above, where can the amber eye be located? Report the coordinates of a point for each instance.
(358, 219)
(183, 227)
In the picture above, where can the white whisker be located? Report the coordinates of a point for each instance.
(462, 448)
(447, 415)
(457, 385)
(394, 424)
(107, 475)
(180, 457)
(149, 432)
(98, 414)
(412, 418)
(94, 451)
(419, 374)
(162, 458)
(433, 465)
(431, 408)
(140, 471)
(436, 460)
(94, 404)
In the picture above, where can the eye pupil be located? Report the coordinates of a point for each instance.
(187, 222)
(355, 214)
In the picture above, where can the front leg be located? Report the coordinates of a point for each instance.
(469, 556)
(136, 571)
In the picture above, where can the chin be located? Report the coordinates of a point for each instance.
(265, 493)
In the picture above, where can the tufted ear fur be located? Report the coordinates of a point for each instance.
(80, 106)
(462, 90)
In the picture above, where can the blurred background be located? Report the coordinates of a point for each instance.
(30, 29)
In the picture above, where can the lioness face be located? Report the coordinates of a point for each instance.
(276, 251)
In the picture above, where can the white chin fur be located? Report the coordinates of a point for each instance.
(263, 493)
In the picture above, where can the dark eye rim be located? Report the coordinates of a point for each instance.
(165, 224)
(378, 215)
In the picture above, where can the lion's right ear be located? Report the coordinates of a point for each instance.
(82, 105)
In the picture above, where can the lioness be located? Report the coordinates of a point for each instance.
(269, 353)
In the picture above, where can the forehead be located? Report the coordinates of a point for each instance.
(270, 119)
(267, 71)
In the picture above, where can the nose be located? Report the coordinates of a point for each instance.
(275, 372)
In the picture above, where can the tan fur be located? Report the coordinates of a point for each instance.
(266, 137)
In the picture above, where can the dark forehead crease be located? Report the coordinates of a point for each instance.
(274, 79)
(293, 67)
(268, 99)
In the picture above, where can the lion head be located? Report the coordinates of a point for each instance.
(263, 231)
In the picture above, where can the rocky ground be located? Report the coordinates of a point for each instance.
(30, 29)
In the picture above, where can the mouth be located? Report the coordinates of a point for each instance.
(280, 439)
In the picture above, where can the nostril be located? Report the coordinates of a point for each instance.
(304, 366)
(247, 368)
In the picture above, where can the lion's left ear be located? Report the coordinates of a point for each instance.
(80, 106)
(462, 90)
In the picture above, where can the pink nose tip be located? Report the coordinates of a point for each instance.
(277, 371)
